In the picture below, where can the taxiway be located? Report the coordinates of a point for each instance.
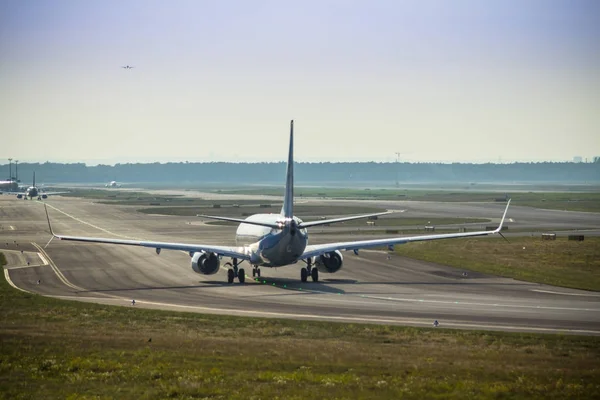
(369, 289)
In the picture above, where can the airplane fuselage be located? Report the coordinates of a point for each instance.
(32, 191)
(272, 247)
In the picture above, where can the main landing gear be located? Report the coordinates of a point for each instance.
(309, 270)
(233, 272)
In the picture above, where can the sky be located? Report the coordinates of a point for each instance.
(435, 81)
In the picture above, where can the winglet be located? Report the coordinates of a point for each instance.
(48, 218)
(288, 200)
(503, 216)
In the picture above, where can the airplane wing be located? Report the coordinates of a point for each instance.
(227, 251)
(318, 249)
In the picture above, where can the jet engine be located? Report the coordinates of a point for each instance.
(205, 263)
(329, 262)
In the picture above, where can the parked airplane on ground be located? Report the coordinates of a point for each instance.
(276, 240)
(33, 191)
(113, 184)
(9, 185)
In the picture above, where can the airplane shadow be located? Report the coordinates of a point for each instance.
(201, 286)
(321, 287)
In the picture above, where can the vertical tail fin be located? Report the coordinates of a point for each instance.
(288, 200)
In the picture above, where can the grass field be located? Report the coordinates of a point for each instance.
(572, 201)
(560, 262)
(56, 349)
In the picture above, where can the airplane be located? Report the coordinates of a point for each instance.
(33, 191)
(112, 184)
(276, 240)
(10, 185)
(127, 67)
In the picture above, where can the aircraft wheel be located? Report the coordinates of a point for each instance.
(230, 275)
(242, 275)
(258, 272)
(254, 272)
(303, 274)
(314, 275)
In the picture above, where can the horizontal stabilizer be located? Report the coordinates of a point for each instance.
(342, 219)
(242, 221)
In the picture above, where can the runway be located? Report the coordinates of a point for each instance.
(369, 289)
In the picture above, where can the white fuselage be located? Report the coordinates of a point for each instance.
(32, 191)
(272, 247)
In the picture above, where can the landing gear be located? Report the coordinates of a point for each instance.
(233, 272)
(303, 274)
(314, 275)
(309, 270)
(256, 271)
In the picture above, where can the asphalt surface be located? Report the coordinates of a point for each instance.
(369, 289)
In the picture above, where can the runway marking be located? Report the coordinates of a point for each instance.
(56, 270)
(12, 228)
(10, 282)
(466, 303)
(27, 266)
(566, 294)
(446, 302)
(45, 261)
(412, 321)
(414, 300)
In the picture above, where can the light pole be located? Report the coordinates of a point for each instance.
(17, 170)
(10, 169)
(397, 168)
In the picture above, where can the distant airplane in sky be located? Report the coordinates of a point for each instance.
(276, 240)
(127, 67)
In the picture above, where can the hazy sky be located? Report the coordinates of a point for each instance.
(220, 80)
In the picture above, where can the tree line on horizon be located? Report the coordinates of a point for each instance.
(273, 172)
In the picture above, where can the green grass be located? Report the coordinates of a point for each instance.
(560, 262)
(137, 198)
(56, 349)
(572, 201)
